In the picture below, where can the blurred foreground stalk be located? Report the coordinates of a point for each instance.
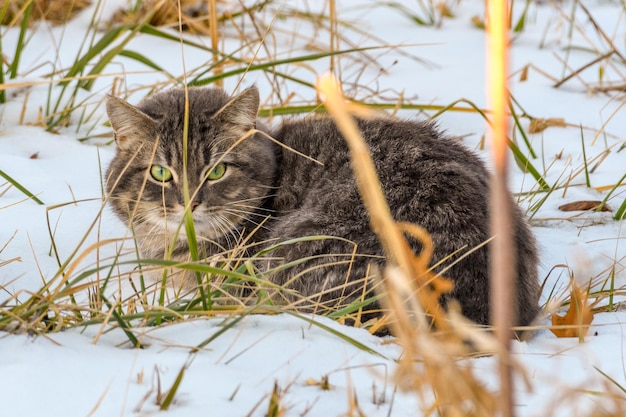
(502, 251)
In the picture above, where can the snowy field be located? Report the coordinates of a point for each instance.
(92, 371)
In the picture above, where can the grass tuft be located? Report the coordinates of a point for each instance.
(55, 11)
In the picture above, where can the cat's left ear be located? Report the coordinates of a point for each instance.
(241, 110)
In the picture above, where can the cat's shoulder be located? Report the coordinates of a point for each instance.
(391, 133)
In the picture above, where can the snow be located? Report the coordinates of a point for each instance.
(92, 370)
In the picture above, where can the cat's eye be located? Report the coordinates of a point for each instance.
(160, 173)
(217, 172)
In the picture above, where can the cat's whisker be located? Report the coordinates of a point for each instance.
(252, 208)
(227, 228)
(221, 223)
(246, 212)
(245, 200)
(246, 218)
(269, 187)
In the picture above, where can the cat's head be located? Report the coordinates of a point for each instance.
(229, 173)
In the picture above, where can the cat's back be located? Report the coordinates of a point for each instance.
(389, 139)
(428, 179)
(413, 160)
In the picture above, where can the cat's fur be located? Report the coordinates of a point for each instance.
(428, 179)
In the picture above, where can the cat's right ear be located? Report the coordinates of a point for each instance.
(241, 111)
(130, 125)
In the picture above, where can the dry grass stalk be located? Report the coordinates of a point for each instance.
(55, 11)
(334, 42)
(412, 290)
(215, 39)
(538, 125)
(367, 180)
(502, 251)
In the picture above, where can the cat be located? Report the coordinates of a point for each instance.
(297, 181)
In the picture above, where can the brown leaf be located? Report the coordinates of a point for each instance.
(34, 156)
(578, 317)
(444, 10)
(478, 22)
(539, 125)
(583, 206)
(322, 383)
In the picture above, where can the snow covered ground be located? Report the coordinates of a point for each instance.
(92, 371)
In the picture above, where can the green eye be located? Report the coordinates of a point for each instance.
(160, 173)
(217, 172)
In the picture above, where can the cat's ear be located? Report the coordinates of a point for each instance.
(241, 110)
(131, 125)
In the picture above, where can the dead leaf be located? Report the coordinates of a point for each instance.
(478, 22)
(578, 317)
(323, 383)
(34, 156)
(444, 10)
(539, 125)
(584, 206)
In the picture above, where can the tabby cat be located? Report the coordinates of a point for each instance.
(244, 185)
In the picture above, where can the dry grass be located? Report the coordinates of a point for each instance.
(55, 11)
(412, 293)
(432, 363)
(193, 16)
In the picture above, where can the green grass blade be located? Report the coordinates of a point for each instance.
(620, 214)
(408, 13)
(582, 140)
(272, 64)
(188, 266)
(126, 328)
(535, 207)
(19, 48)
(193, 250)
(20, 187)
(453, 106)
(520, 158)
(156, 32)
(318, 108)
(521, 23)
(153, 31)
(527, 166)
(337, 333)
(112, 53)
(171, 393)
(104, 42)
(188, 217)
(353, 307)
(3, 12)
(521, 130)
(3, 97)
(144, 60)
(223, 329)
